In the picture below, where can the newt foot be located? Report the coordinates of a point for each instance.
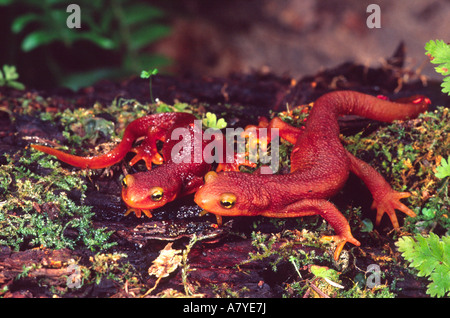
(218, 218)
(138, 212)
(388, 204)
(239, 160)
(340, 242)
(148, 154)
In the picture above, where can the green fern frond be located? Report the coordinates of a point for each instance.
(439, 53)
(431, 257)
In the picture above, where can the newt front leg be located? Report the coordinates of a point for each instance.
(330, 213)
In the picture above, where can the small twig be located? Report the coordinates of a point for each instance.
(316, 289)
(148, 292)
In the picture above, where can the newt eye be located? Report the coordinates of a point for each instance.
(157, 194)
(127, 181)
(227, 200)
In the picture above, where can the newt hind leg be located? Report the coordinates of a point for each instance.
(148, 150)
(385, 199)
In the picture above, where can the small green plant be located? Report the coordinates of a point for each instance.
(366, 225)
(431, 257)
(9, 76)
(443, 170)
(439, 53)
(177, 107)
(211, 121)
(148, 74)
(109, 266)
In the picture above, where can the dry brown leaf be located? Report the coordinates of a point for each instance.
(167, 261)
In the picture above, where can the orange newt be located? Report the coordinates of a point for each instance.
(320, 166)
(144, 191)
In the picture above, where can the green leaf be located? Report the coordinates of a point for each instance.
(75, 81)
(211, 121)
(21, 22)
(38, 38)
(8, 77)
(440, 283)
(148, 34)
(163, 108)
(440, 54)
(323, 272)
(221, 123)
(428, 213)
(16, 85)
(181, 107)
(138, 13)
(446, 85)
(97, 39)
(443, 170)
(10, 72)
(58, 18)
(94, 126)
(147, 74)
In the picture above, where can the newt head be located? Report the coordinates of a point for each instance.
(231, 194)
(145, 191)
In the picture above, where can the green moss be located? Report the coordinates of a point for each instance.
(36, 209)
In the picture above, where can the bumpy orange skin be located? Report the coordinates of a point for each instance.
(320, 166)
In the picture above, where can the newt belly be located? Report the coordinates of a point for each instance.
(320, 166)
(171, 179)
